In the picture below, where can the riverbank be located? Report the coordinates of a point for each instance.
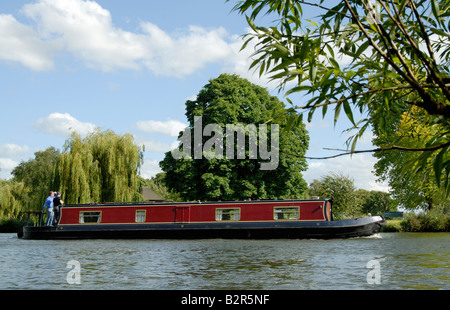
(392, 226)
(427, 222)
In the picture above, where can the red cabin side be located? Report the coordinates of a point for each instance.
(197, 212)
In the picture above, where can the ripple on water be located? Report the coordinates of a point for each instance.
(417, 261)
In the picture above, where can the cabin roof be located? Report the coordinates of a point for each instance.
(162, 202)
(150, 195)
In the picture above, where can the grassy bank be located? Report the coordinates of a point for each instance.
(433, 221)
(392, 226)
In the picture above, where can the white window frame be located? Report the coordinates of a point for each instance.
(228, 214)
(286, 213)
(140, 216)
(90, 214)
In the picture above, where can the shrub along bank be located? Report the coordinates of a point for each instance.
(431, 221)
(11, 225)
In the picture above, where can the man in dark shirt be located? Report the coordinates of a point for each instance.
(57, 202)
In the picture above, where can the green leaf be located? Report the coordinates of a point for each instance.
(312, 22)
(330, 50)
(437, 165)
(245, 43)
(436, 10)
(304, 48)
(440, 32)
(325, 77)
(348, 111)
(335, 64)
(261, 69)
(362, 48)
(289, 123)
(297, 89)
(337, 111)
(313, 71)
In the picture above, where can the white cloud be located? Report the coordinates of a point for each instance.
(150, 168)
(183, 53)
(11, 150)
(63, 124)
(85, 30)
(9, 154)
(7, 163)
(6, 166)
(167, 128)
(20, 43)
(359, 167)
(152, 145)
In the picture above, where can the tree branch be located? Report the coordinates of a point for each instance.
(376, 91)
(431, 105)
(382, 149)
(376, 47)
(390, 148)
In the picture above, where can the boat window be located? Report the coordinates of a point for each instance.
(228, 214)
(290, 213)
(140, 216)
(90, 217)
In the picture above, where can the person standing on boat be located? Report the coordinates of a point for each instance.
(49, 205)
(57, 203)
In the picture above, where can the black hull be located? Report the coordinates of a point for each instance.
(250, 230)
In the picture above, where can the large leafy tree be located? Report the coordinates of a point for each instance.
(231, 100)
(376, 202)
(409, 189)
(102, 167)
(30, 184)
(12, 198)
(37, 175)
(343, 192)
(375, 57)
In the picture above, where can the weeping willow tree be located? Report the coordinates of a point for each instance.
(11, 194)
(103, 166)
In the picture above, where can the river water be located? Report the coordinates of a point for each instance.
(383, 261)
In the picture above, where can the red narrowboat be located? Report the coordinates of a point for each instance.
(261, 219)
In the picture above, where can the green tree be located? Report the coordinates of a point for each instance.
(37, 175)
(11, 198)
(31, 182)
(397, 56)
(103, 166)
(376, 202)
(342, 190)
(229, 100)
(410, 189)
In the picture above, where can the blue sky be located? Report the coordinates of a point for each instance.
(128, 66)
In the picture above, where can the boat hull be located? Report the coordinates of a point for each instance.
(358, 227)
